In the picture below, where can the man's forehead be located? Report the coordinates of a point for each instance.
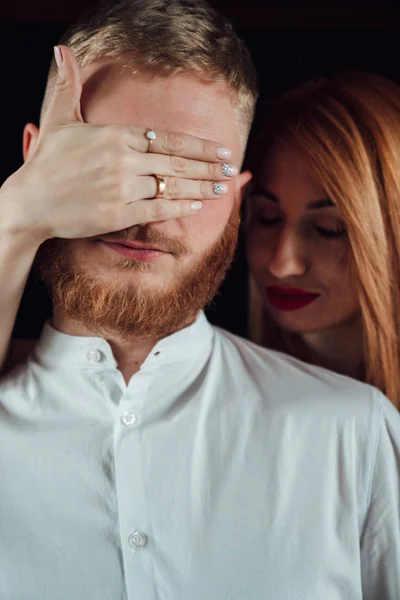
(183, 103)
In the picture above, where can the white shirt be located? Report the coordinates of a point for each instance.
(223, 471)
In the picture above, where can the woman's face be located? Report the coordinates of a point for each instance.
(298, 249)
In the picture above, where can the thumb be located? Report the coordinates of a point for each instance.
(65, 100)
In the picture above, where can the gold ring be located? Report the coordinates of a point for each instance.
(161, 185)
(150, 136)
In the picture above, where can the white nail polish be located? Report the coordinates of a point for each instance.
(224, 153)
(197, 205)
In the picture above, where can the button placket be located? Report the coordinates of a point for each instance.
(132, 505)
(132, 401)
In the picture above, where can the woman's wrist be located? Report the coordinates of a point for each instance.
(16, 235)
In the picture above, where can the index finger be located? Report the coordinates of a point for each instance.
(177, 144)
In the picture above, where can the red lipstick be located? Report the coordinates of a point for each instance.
(287, 299)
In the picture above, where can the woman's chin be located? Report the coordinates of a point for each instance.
(297, 323)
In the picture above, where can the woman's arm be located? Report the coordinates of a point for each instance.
(16, 258)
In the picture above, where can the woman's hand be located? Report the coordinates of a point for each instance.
(83, 180)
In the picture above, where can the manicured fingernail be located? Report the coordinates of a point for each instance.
(58, 56)
(229, 170)
(220, 188)
(196, 205)
(224, 153)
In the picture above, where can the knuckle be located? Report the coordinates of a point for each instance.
(214, 171)
(106, 160)
(62, 84)
(205, 191)
(114, 157)
(178, 164)
(183, 209)
(114, 183)
(108, 133)
(131, 163)
(158, 212)
(112, 138)
(172, 188)
(208, 150)
(174, 142)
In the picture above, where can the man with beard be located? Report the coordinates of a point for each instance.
(144, 453)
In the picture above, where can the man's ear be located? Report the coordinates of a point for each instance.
(31, 134)
(242, 181)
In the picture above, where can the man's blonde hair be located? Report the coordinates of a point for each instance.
(166, 37)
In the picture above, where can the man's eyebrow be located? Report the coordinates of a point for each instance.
(324, 203)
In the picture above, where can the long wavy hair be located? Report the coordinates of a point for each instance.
(347, 129)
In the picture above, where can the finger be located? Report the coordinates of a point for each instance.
(177, 144)
(176, 189)
(64, 106)
(148, 211)
(186, 168)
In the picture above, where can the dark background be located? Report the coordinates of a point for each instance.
(288, 40)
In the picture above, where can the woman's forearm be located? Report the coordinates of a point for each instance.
(17, 253)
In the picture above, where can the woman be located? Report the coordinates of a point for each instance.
(324, 228)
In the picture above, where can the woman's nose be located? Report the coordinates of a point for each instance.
(288, 258)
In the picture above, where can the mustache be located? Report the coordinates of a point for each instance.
(148, 235)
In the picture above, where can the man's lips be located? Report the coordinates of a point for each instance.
(289, 299)
(135, 250)
(135, 245)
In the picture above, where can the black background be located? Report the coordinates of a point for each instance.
(287, 39)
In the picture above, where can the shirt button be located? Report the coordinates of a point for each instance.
(94, 356)
(137, 540)
(128, 418)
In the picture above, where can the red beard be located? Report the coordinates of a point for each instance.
(130, 310)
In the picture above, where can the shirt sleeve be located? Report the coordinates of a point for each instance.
(380, 542)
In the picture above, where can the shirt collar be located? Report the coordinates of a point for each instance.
(57, 349)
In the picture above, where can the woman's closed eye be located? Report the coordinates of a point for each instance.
(331, 230)
(268, 221)
(330, 233)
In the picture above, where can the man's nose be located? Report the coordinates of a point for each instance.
(288, 258)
